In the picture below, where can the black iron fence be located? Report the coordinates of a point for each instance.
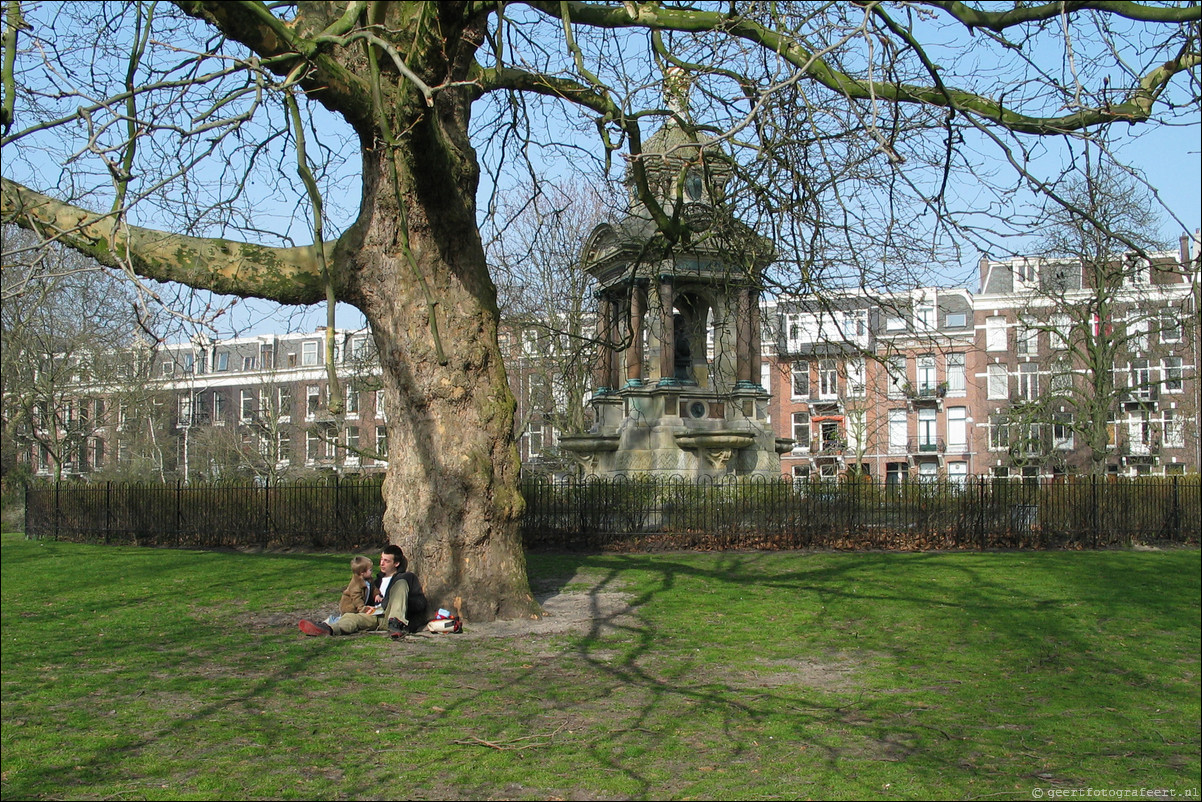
(333, 515)
(978, 513)
(653, 513)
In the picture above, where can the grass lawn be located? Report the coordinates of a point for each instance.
(161, 674)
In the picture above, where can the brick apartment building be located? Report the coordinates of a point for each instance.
(1044, 371)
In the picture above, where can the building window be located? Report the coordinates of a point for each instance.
(828, 377)
(189, 361)
(999, 433)
(246, 405)
(352, 401)
(218, 406)
(248, 363)
(1174, 429)
(1028, 381)
(832, 438)
(926, 374)
(380, 411)
(995, 334)
(801, 379)
(896, 472)
(855, 325)
(957, 473)
(267, 357)
(309, 354)
(1173, 374)
(1062, 328)
(284, 403)
(924, 318)
(1170, 327)
(382, 442)
(897, 430)
(801, 431)
(956, 384)
(855, 377)
(1062, 431)
(1061, 382)
(999, 382)
(927, 439)
(221, 361)
(1138, 335)
(97, 453)
(895, 323)
(168, 368)
(956, 320)
(1027, 343)
(185, 409)
(312, 399)
(534, 439)
(283, 447)
(957, 428)
(352, 443)
(1139, 432)
(1141, 380)
(1136, 274)
(896, 368)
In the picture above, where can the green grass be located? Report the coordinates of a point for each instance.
(164, 674)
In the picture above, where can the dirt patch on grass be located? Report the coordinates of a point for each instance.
(571, 605)
(836, 672)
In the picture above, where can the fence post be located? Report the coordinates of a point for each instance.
(267, 511)
(981, 512)
(1176, 514)
(1093, 506)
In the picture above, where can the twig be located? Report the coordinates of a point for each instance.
(504, 746)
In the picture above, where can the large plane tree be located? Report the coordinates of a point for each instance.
(182, 143)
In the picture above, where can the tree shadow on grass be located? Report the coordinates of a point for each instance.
(1023, 610)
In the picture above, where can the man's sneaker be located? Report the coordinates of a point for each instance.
(396, 628)
(315, 627)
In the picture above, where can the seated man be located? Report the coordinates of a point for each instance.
(391, 600)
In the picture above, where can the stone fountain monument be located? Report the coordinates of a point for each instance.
(676, 384)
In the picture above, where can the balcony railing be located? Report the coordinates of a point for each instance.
(924, 445)
(925, 392)
(1142, 395)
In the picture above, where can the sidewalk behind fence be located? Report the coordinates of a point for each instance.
(647, 514)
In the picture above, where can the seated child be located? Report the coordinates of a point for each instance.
(355, 597)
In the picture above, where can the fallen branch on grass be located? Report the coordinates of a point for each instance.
(511, 744)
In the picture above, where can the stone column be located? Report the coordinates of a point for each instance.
(667, 340)
(743, 338)
(757, 347)
(634, 353)
(605, 308)
(614, 336)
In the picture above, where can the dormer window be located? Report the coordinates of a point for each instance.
(693, 185)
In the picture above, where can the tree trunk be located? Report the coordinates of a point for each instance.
(418, 272)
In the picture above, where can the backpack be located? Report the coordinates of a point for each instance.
(445, 622)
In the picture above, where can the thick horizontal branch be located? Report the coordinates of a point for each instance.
(286, 275)
(1137, 107)
(491, 79)
(1020, 15)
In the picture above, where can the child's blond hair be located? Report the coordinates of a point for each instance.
(358, 563)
